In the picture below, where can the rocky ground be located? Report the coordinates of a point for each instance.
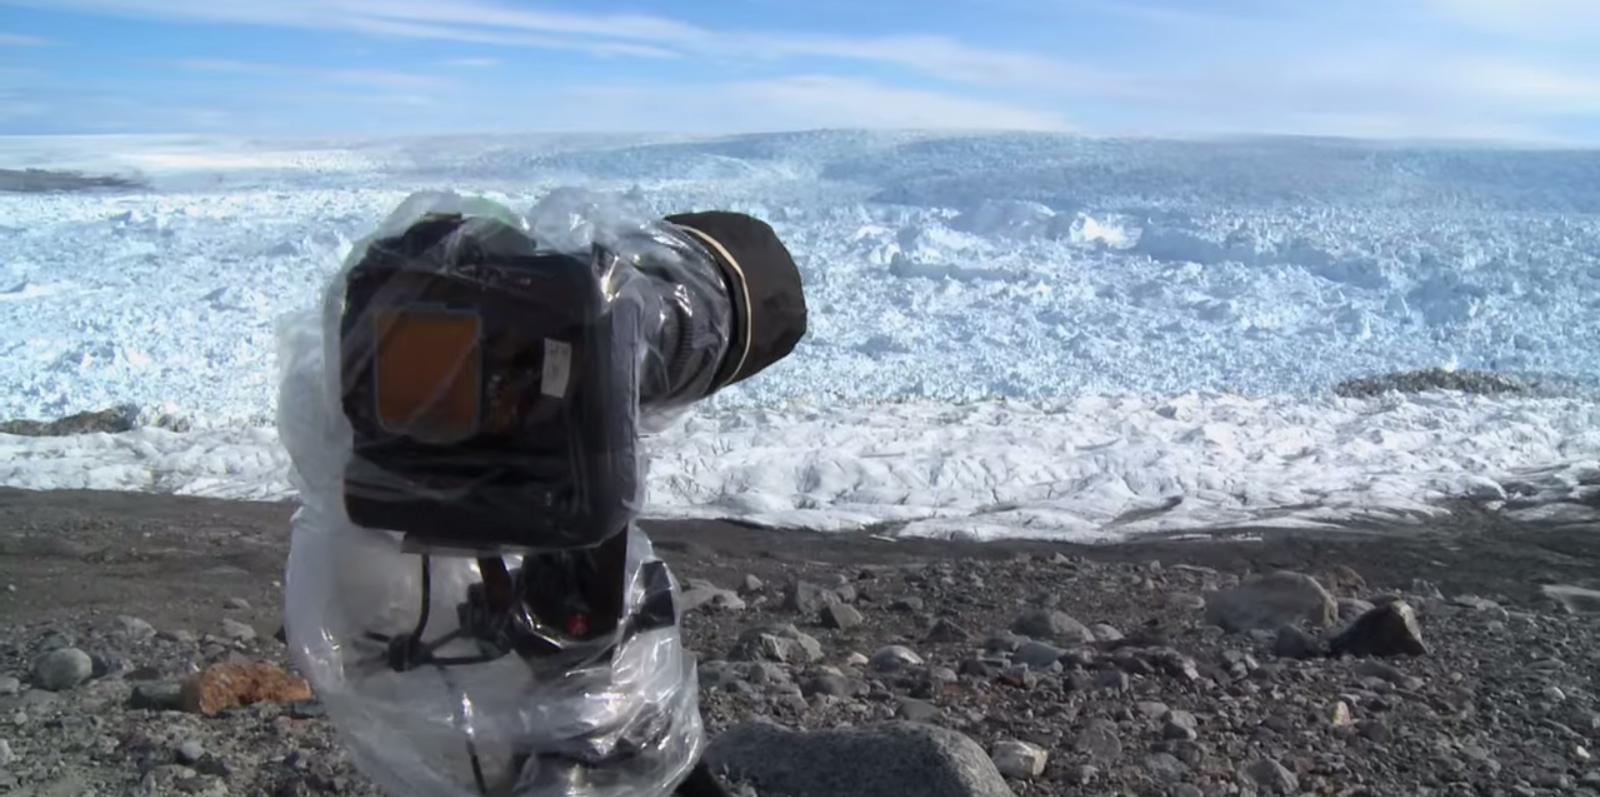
(1459, 659)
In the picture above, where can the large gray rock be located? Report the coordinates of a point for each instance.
(1388, 630)
(1051, 625)
(780, 642)
(62, 669)
(1270, 602)
(891, 759)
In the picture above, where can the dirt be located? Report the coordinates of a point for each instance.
(1502, 702)
(176, 561)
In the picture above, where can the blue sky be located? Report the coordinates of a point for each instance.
(1497, 69)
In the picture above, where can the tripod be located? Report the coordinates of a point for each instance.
(558, 611)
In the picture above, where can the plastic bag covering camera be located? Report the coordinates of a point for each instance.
(616, 714)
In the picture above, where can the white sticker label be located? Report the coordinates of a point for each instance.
(557, 368)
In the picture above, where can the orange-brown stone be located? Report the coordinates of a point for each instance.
(225, 686)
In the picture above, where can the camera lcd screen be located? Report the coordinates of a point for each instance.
(428, 373)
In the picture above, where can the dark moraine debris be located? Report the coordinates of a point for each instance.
(42, 181)
(1465, 381)
(112, 420)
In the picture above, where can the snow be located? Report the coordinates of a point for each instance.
(1011, 335)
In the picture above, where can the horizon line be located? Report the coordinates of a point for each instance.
(1127, 136)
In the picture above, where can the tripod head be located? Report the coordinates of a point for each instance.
(467, 587)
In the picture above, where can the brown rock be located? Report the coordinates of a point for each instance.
(225, 686)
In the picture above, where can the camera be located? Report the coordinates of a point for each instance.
(484, 385)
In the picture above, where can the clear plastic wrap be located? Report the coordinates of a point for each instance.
(695, 319)
(611, 712)
(498, 370)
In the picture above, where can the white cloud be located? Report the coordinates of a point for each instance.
(1417, 68)
(942, 57)
(20, 40)
(1562, 19)
(1532, 86)
(1409, 128)
(223, 65)
(392, 87)
(386, 79)
(490, 22)
(799, 102)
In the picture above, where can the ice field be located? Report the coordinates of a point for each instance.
(1011, 335)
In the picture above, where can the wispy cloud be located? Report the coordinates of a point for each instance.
(1535, 86)
(1546, 19)
(233, 67)
(402, 81)
(20, 40)
(1404, 127)
(1417, 68)
(799, 102)
(407, 88)
(941, 57)
(488, 22)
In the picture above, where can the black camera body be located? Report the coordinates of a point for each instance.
(494, 390)
(491, 391)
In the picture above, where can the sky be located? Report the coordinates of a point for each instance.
(1505, 70)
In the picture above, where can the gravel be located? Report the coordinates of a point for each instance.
(1036, 675)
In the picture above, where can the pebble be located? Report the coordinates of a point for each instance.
(910, 603)
(917, 710)
(157, 695)
(1152, 709)
(1038, 655)
(136, 629)
(945, 630)
(1339, 714)
(890, 658)
(1085, 775)
(1273, 777)
(1166, 767)
(234, 629)
(1378, 669)
(1180, 725)
(1113, 681)
(190, 752)
(62, 669)
(1294, 643)
(1019, 760)
(1052, 625)
(1167, 708)
(1373, 730)
(841, 616)
(1100, 740)
(807, 598)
